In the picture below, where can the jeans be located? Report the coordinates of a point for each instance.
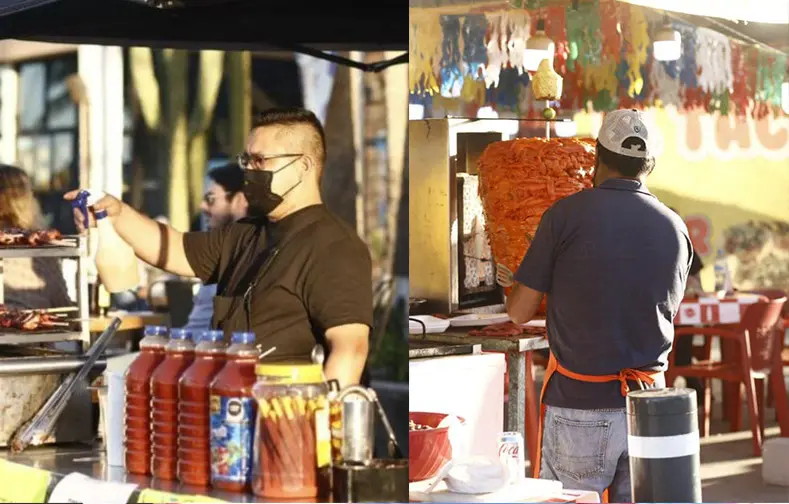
(587, 450)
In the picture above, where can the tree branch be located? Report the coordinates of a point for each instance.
(146, 86)
(211, 73)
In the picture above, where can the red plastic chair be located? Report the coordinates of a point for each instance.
(781, 326)
(750, 350)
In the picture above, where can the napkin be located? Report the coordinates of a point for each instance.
(477, 475)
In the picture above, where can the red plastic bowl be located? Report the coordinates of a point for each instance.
(428, 450)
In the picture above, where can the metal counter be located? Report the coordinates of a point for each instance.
(90, 461)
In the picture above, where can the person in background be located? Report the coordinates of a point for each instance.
(223, 204)
(293, 273)
(29, 282)
(683, 346)
(613, 261)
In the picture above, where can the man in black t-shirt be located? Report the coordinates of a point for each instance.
(613, 262)
(292, 272)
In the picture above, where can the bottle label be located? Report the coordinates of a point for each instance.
(323, 449)
(232, 424)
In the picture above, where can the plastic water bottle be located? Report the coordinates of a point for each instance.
(115, 259)
(723, 284)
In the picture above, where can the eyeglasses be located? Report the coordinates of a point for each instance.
(210, 198)
(249, 161)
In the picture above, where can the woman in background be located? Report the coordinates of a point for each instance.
(29, 282)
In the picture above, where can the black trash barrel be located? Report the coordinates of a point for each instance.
(663, 444)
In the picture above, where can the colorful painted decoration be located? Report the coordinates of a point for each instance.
(475, 55)
(496, 46)
(603, 54)
(424, 52)
(518, 30)
(637, 44)
(451, 72)
(713, 56)
(583, 35)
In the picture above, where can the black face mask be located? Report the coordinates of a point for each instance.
(257, 189)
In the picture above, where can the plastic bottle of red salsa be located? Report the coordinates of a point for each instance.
(179, 354)
(194, 431)
(138, 400)
(233, 413)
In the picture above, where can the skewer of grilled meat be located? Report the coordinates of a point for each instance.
(28, 238)
(29, 320)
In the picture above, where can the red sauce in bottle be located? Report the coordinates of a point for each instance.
(179, 354)
(233, 413)
(194, 430)
(138, 400)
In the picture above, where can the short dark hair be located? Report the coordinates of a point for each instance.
(626, 165)
(230, 176)
(291, 116)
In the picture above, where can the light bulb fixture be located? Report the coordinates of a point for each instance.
(487, 112)
(538, 48)
(667, 45)
(565, 129)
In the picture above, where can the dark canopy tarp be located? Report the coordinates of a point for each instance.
(371, 25)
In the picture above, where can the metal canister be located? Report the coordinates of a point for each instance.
(353, 425)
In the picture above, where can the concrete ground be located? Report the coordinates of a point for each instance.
(729, 471)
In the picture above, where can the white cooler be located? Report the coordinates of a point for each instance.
(468, 386)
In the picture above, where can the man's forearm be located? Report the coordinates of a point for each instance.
(522, 303)
(155, 243)
(346, 367)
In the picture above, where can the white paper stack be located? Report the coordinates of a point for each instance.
(432, 324)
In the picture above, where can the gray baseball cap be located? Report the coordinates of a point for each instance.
(620, 125)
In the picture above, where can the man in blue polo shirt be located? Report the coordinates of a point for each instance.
(613, 261)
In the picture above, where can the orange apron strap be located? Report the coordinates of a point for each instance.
(623, 377)
(550, 368)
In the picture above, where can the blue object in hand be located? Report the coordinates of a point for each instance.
(81, 202)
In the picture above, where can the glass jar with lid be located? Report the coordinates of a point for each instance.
(292, 449)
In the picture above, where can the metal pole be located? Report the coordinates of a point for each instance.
(663, 445)
(45, 365)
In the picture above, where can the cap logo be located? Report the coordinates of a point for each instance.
(636, 129)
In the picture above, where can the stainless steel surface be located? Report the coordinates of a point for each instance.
(79, 251)
(358, 424)
(434, 234)
(470, 148)
(522, 343)
(45, 365)
(82, 291)
(32, 338)
(40, 426)
(91, 461)
(516, 398)
(318, 354)
(430, 213)
(425, 350)
(16, 252)
(75, 423)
